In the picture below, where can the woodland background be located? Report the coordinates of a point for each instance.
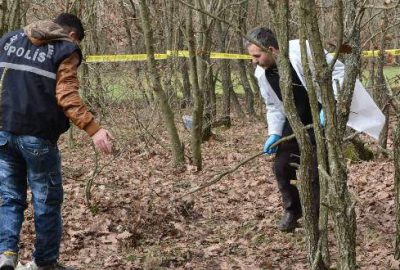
(126, 211)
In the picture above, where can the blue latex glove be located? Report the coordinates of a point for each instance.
(322, 118)
(270, 141)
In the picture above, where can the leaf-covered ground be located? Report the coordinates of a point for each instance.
(134, 221)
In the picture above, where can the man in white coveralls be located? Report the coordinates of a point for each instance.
(365, 116)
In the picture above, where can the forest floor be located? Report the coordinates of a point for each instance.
(134, 222)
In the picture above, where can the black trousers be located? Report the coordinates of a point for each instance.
(288, 153)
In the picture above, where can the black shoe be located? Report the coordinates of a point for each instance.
(289, 221)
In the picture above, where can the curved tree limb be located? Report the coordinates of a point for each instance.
(219, 176)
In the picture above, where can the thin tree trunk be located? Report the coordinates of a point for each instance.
(186, 88)
(396, 149)
(126, 25)
(187, 96)
(168, 10)
(321, 148)
(280, 10)
(204, 71)
(339, 197)
(395, 102)
(241, 63)
(225, 77)
(167, 113)
(380, 93)
(136, 70)
(93, 90)
(246, 87)
(197, 115)
(3, 16)
(211, 97)
(131, 47)
(15, 16)
(257, 96)
(236, 103)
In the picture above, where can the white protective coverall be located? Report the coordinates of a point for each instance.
(365, 116)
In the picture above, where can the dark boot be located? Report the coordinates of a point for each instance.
(288, 221)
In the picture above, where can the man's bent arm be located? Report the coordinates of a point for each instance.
(68, 98)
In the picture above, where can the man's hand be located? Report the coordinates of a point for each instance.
(270, 141)
(102, 139)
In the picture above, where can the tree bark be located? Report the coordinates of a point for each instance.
(167, 113)
(3, 21)
(396, 149)
(169, 29)
(280, 10)
(339, 197)
(395, 102)
(380, 93)
(204, 71)
(198, 104)
(321, 148)
(184, 69)
(241, 63)
(225, 77)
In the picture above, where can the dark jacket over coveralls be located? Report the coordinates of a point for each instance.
(288, 152)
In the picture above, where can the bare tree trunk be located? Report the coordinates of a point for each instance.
(396, 148)
(321, 148)
(280, 10)
(241, 63)
(131, 47)
(93, 90)
(168, 114)
(12, 14)
(168, 22)
(197, 128)
(184, 69)
(187, 96)
(371, 60)
(211, 98)
(395, 102)
(246, 87)
(380, 93)
(236, 103)
(15, 15)
(204, 71)
(339, 197)
(3, 21)
(257, 96)
(126, 25)
(225, 77)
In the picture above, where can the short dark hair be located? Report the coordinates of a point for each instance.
(71, 22)
(264, 36)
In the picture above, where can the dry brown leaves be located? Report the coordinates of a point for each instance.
(134, 222)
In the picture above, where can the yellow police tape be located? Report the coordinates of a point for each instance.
(213, 55)
(375, 53)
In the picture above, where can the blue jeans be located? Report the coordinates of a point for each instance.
(27, 160)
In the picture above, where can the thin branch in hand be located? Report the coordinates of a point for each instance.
(219, 176)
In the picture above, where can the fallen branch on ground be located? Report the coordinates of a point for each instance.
(219, 176)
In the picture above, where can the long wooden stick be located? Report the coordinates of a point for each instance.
(219, 176)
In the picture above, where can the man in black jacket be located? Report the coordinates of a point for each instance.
(288, 152)
(39, 95)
